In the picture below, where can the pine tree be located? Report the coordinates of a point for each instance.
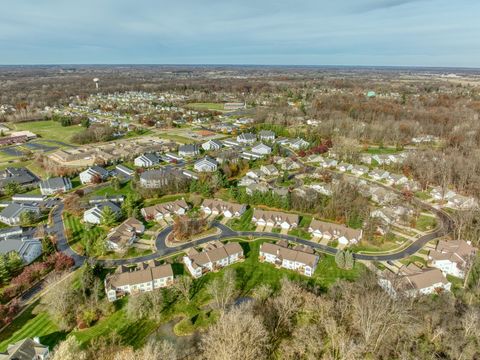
(4, 273)
(340, 259)
(14, 263)
(108, 216)
(349, 260)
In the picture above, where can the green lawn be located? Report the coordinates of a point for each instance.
(132, 333)
(426, 223)
(76, 230)
(125, 189)
(192, 316)
(243, 223)
(251, 272)
(31, 325)
(206, 106)
(49, 130)
(381, 151)
(422, 195)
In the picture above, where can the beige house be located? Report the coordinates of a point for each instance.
(144, 277)
(331, 231)
(164, 210)
(214, 256)
(121, 237)
(452, 257)
(300, 258)
(225, 208)
(413, 281)
(274, 218)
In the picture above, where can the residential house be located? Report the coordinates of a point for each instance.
(106, 198)
(343, 167)
(279, 254)
(246, 181)
(142, 278)
(190, 174)
(249, 155)
(331, 231)
(274, 219)
(261, 149)
(379, 174)
(452, 257)
(189, 150)
(122, 236)
(206, 164)
(146, 160)
(29, 198)
(55, 185)
(165, 210)
(232, 143)
(26, 349)
(462, 202)
(11, 214)
(20, 176)
(171, 157)
(226, 156)
(220, 207)
(269, 170)
(266, 135)
(124, 172)
(329, 163)
(299, 144)
(246, 138)
(396, 179)
(255, 174)
(28, 248)
(212, 145)
(157, 179)
(213, 257)
(95, 172)
(440, 194)
(381, 195)
(322, 188)
(414, 281)
(94, 215)
(257, 187)
(359, 170)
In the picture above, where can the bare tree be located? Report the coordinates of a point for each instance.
(183, 285)
(222, 290)
(237, 335)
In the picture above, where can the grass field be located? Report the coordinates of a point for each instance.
(382, 151)
(193, 315)
(244, 223)
(426, 223)
(206, 106)
(125, 189)
(76, 230)
(31, 325)
(49, 130)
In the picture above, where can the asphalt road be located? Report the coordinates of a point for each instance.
(445, 227)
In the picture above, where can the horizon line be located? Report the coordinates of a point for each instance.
(249, 65)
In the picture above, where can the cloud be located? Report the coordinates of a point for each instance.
(394, 32)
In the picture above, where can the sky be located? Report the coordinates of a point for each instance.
(264, 32)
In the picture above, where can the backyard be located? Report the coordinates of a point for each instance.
(191, 316)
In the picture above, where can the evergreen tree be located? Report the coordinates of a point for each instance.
(4, 273)
(340, 259)
(108, 216)
(47, 246)
(349, 261)
(116, 183)
(14, 263)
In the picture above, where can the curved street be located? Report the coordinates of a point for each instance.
(444, 228)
